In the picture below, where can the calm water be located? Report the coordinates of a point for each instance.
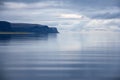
(64, 56)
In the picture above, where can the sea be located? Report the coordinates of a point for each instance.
(90, 55)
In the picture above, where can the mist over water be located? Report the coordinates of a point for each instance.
(63, 56)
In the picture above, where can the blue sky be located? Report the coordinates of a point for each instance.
(72, 15)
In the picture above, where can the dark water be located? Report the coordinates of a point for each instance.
(64, 56)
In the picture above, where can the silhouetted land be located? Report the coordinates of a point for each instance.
(25, 28)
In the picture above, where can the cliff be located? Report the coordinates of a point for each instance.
(5, 26)
(25, 27)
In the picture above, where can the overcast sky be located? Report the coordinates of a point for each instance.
(65, 14)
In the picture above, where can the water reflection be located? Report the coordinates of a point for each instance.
(5, 37)
(8, 37)
(81, 56)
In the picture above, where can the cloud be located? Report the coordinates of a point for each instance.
(97, 24)
(38, 5)
(13, 5)
(73, 15)
(108, 16)
(113, 13)
(93, 24)
(25, 1)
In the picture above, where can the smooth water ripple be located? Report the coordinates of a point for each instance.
(68, 56)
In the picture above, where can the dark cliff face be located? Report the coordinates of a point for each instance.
(5, 26)
(53, 30)
(24, 27)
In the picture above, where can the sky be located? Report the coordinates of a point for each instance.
(73, 15)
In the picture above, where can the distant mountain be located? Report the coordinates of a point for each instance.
(25, 27)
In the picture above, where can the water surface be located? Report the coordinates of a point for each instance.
(64, 56)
